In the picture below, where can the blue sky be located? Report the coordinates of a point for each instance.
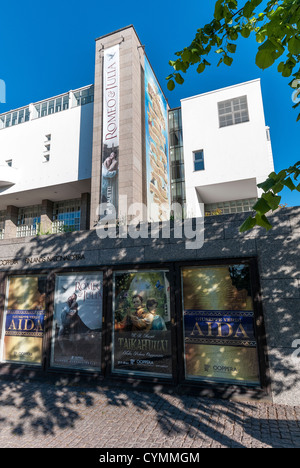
(48, 48)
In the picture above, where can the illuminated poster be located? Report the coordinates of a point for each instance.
(157, 149)
(142, 336)
(77, 322)
(219, 335)
(24, 320)
(110, 149)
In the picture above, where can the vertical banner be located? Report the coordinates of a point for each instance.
(110, 148)
(157, 149)
(219, 335)
(24, 320)
(77, 321)
(142, 334)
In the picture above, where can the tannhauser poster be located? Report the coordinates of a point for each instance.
(24, 320)
(220, 342)
(77, 323)
(110, 149)
(142, 336)
(157, 149)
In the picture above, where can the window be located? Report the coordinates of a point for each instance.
(14, 118)
(198, 160)
(66, 216)
(52, 106)
(233, 111)
(84, 96)
(229, 207)
(29, 219)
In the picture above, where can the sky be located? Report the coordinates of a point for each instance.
(48, 48)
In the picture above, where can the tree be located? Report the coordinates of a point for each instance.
(277, 30)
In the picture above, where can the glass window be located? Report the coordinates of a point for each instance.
(233, 111)
(77, 322)
(29, 220)
(219, 331)
(142, 332)
(23, 324)
(66, 216)
(199, 160)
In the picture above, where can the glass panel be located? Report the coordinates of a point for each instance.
(77, 322)
(24, 320)
(141, 313)
(219, 333)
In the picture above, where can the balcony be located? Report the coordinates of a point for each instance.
(8, 175)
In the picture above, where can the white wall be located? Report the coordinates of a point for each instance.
(232, 153)
(70, 153)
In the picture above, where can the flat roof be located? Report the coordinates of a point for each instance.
(220, 89)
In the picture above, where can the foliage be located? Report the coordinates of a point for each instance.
(277, 31)
(270, 200)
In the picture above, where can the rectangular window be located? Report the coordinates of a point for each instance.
(198, 160)
(233, 111)
(23, 324)
(29, 220)
(142, 332)
(77, 321)
(219, 332)
(66, 216)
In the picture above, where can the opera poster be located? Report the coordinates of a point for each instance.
(157, 149)
(77, 322)
(24, 320)
(219, 333)
(142, 334)
(111, 128)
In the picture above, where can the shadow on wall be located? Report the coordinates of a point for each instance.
(278, 254)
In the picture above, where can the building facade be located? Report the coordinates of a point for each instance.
(147, 302)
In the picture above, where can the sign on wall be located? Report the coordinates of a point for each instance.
(141, 315)
(110, 148)
(157, 149)
(219, 334)
(24, 320)
(77, 321)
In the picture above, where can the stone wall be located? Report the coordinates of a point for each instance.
(277, 253)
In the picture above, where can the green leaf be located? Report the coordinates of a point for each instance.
(272, 200)
(267, 185)
(201, 68)
(171, 85)
(294, 45)
(231, 48)
(265, 58)
(179, 79)
(248, 10)
(228, 60)
(248, 224)
(261, 206)
(289, 184)
(245, 32)
(263, 222)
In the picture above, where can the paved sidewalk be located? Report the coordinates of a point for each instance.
(44, 415)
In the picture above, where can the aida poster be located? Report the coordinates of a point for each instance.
(219, 336)
(24, 320)
(111, 128)
(142, 335)
(77, 322)
(157, 149)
